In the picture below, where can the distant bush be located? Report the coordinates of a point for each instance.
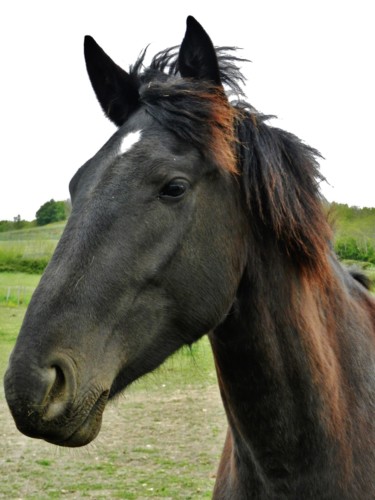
(351, 248)
(353, 222)
(18, 223)
(52, 211)
(17, 263)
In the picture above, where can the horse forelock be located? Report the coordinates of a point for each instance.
(195, 110)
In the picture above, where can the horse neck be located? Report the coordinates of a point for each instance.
(277, 371)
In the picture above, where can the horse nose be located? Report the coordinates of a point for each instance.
(60, 390)
(38, 394)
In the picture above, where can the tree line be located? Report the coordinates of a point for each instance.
(50, 211)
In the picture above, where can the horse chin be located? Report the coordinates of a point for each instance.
(88, 430)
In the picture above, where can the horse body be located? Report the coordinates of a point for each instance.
(197, 217)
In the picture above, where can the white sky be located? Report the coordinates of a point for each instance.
(313, 65)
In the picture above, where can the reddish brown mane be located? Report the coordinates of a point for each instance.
(223, 139)
(197, 112)
(317, 318)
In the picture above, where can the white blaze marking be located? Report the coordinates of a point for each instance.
(129, 140)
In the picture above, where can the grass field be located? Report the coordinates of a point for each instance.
(50, 232)
(29, 249)
(17, 288)
(162, 439)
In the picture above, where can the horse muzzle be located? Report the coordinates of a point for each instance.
(45, 401)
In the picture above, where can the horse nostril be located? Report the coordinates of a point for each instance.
(62, 389)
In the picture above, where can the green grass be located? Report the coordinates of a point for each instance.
(370, 272)
(17, 288)
(188, 366)
(10, 323)
(354, 232)
(29, 250)
(49, 232)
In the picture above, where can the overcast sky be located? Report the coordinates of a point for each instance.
(313, 65)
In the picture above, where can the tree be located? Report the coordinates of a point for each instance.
(51, 211)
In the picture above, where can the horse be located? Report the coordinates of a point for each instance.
(198, 217)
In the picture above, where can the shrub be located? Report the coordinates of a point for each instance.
(13, 262)
(18, 223)
(351, 248)
(51, 211)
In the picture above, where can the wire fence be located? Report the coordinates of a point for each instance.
(15, 295)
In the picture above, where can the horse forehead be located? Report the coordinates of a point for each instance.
(129, 140)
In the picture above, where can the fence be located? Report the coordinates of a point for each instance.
(15, 295)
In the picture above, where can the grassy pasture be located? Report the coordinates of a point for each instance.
(17, 288)
(49, 232)
(28, 250)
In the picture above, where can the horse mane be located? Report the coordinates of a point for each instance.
(280, 173)
(281, 180)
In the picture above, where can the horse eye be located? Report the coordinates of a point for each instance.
(174, 190)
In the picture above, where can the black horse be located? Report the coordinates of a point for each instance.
(196, 217)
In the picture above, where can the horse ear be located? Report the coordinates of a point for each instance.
(116, 90)
(197, 57)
